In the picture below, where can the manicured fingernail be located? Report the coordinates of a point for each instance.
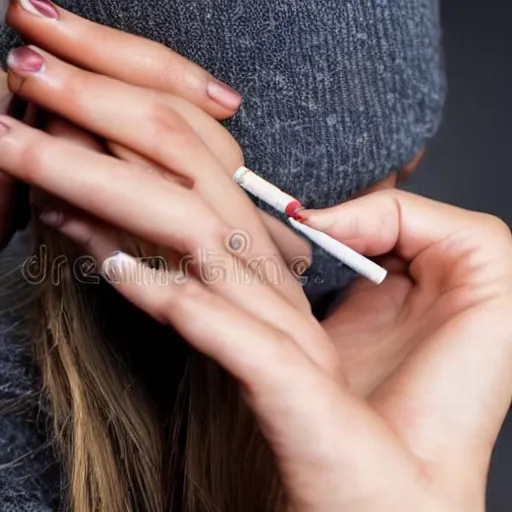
(119, 267)
(41, 8)
(25, 60)
(4, 129)
(223, 94)
(52, 218)
(299, 215)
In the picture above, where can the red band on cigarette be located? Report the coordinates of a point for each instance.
(291, 208)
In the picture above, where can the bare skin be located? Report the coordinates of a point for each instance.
(139, 62)
(395, 401)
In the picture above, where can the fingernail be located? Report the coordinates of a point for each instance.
(320, 222)
(41, 8)
(118, 268)
(299, 215)
(25, 60)
(52, 218)
(223, 94)
(4, 129)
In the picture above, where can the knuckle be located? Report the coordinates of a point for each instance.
(182, 301)
(171, 133)
(391, 194)
(211, 236)
(498, 226)
(217, 232)
(492, 227)
(284, 347)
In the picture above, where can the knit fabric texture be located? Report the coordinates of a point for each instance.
(337, 94)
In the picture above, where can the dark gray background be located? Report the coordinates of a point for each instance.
(468, 163)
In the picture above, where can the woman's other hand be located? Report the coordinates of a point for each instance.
(401, 408)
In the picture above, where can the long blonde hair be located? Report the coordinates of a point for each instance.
(142, 422)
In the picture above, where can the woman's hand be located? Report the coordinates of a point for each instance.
(136, 61)
(401, 409)
(123, 56)
(112, 53)
(401, 412)
(171, 134)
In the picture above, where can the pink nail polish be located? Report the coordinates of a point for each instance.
(293, 208)
(42, 8)
(223, 94)
(4, 129)
(25, 60)
(299, 215)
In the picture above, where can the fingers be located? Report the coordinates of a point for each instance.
(175, 304)
(103, 106)
(122, 56)
(154, 209)
(226, 276)
(406, 223)
(152, 125)
(100, 241)
(62, 129)
(107, 187)
(305, 416)
(296, 250)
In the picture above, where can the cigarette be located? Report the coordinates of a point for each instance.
(288, 205)
(267, 192)
(363, 266)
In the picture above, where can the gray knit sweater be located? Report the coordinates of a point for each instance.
(337, 93)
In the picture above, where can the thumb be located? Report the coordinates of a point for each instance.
(394, 220)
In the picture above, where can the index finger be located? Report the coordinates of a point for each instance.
(394, 220)
(126, 57)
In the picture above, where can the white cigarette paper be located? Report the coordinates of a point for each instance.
(262, 189)
(363, 266)
(279, 200)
